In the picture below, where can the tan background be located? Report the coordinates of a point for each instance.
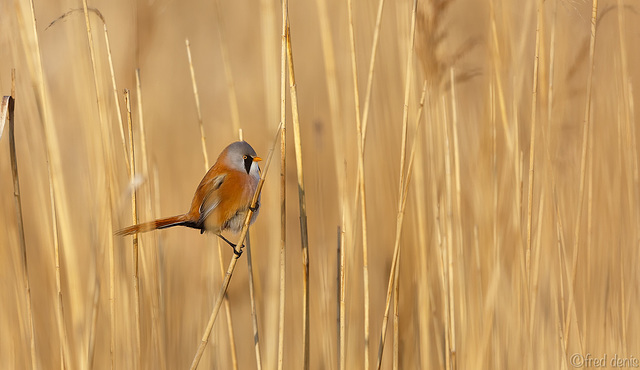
(503, 319)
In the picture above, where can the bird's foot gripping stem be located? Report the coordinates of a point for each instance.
(236, 251)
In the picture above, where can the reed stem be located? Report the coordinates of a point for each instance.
(234, 260)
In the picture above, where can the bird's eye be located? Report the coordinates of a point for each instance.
(244, 157)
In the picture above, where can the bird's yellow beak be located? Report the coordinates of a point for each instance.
(257, 159)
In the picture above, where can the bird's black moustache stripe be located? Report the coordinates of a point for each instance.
(247, 163)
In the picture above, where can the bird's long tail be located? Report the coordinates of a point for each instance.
(153, 225)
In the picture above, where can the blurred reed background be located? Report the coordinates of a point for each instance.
(519, 245)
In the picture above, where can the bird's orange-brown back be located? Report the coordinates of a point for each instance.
(232, 196)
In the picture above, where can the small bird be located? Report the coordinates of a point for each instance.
(222, 199)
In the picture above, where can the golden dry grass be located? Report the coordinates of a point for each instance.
(491, 274)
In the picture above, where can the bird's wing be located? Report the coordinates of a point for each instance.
(212, 198)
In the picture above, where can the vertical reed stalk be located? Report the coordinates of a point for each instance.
(559, 325)
(396, 253)
(456, 157)
(405, 106)
(115, 95)
(404, 182)
(254, 316)
(367, 99)
(268, 38)
(203, 138)
(134, 216)
(449, 225)
(564, 265)
(283, 183)
(143, 133)
(585, 301)
(108, 167)
(394, 274)
(443, 282)
(363, 202)
(227, 310)
(552, 58)
(338, 138)
(632, 169)
(94, 325)
(341, 302)
(158, 329)
(536, 267)
(372, 63)
(335, 113)
(301, 199)
(494, 171)
(112, 300)
(396, 315)
(532, 147)
(631, 147)
(231, 86)
(497, 70)
(422, 265)
(583, 161)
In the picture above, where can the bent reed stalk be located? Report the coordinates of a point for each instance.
(234, 259)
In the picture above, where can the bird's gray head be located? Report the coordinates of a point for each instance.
(240, 156)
